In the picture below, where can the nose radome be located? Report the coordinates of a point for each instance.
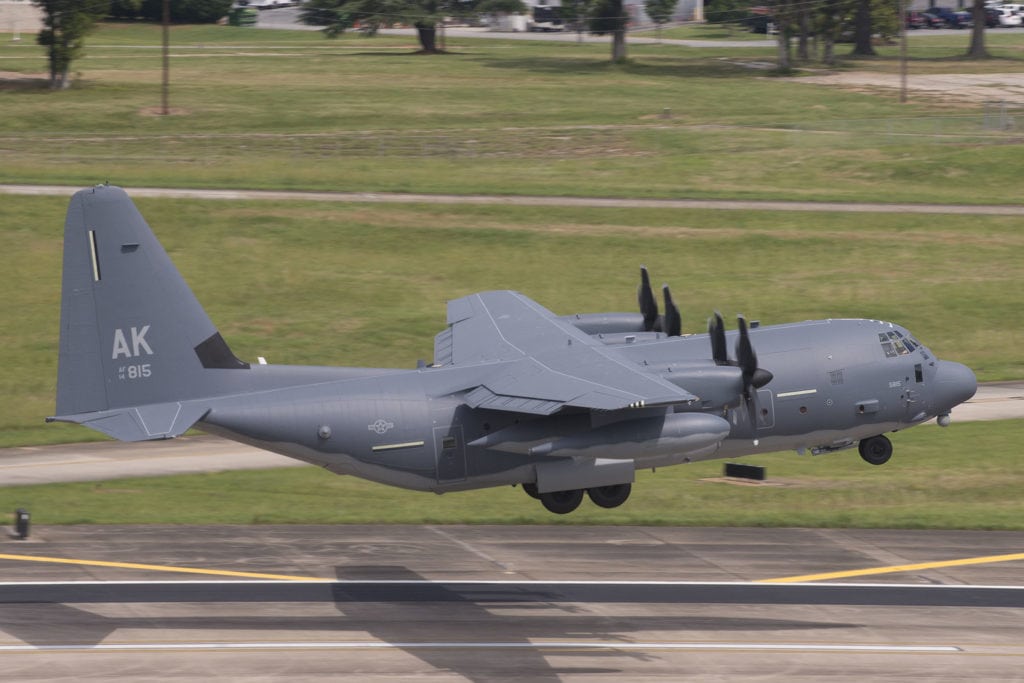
(954, 384)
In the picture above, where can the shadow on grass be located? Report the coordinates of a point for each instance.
(24, 84)
(646, 66)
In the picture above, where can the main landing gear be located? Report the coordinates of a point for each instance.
(876, 450)
(564, 502)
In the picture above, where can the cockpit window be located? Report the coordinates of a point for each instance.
(895, 344)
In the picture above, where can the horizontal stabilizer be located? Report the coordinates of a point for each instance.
(142, 423)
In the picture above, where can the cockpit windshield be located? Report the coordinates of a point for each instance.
(895, 343)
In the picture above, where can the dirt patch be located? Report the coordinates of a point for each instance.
(14, 80)
(972, 88)
(159, 111)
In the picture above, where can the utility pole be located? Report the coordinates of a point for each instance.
(903, 51)
(164, 108)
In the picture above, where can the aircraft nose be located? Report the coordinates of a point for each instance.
(954, 384)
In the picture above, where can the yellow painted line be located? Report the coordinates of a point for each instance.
(156, 568)
(991, 559)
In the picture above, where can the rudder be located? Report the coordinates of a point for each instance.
(132, 333)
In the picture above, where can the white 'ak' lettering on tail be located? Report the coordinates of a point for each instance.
(139, 343)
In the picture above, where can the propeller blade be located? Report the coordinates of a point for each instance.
(673, 322)
(753, 377)
(745, 355)
(716, 331)
(752, 411)
(645, 297)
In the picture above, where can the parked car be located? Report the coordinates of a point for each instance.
(916, 20)
(932, 21)
(1007, 17)
(964, 19)
(947, 14)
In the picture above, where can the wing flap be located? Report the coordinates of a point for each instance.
(553, 364)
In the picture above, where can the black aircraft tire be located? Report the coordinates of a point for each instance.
(610, 496)
(562, 502)
(877, 450)
(531, 490)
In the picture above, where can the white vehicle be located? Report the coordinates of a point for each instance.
(261, 4)
(1010, 15)
(546, 18)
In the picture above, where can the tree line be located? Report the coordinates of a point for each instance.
(815, 25)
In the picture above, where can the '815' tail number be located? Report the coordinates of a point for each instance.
(130, 372)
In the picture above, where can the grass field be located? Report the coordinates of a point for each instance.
(289, 109)
(366, 284)
(963, 477)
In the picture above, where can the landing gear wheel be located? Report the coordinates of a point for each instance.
(877, 450)
(610, 496)
(562, 502)
(531, 491)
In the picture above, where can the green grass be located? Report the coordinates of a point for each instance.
(964, 477)
(366, 284)
(729, 32)
(353, 284)
(291, 110)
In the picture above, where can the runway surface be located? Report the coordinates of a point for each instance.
(457, 603)
(454, 603)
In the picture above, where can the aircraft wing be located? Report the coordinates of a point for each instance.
(535, 363)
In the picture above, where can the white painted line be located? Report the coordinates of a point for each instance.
(789, 394)
(396, 446)
(554, 645)
(514, 582)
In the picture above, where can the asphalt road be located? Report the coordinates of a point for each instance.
(367, 603)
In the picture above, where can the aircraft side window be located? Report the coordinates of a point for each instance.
(890, 352)
(919, 373)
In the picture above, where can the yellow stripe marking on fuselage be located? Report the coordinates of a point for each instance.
(990, 559)
(157, 568)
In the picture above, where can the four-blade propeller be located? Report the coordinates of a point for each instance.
(671, 323)
(753, 377)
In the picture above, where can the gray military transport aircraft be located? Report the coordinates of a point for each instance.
(560, 405)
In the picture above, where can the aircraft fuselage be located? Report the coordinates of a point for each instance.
(835, 382)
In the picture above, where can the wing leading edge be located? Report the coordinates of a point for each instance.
(539, 363)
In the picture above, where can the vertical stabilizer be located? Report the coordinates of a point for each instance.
(131, 333)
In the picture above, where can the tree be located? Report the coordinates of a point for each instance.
(784, 14)
(125, 9)
(338, 16)
(977, 50)
(862, 30)
(726, 11)
(574, 13)
(660, 11)
(830, 20)
(186, 11)
(65, 25)
(502, 7)
(609, 16)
